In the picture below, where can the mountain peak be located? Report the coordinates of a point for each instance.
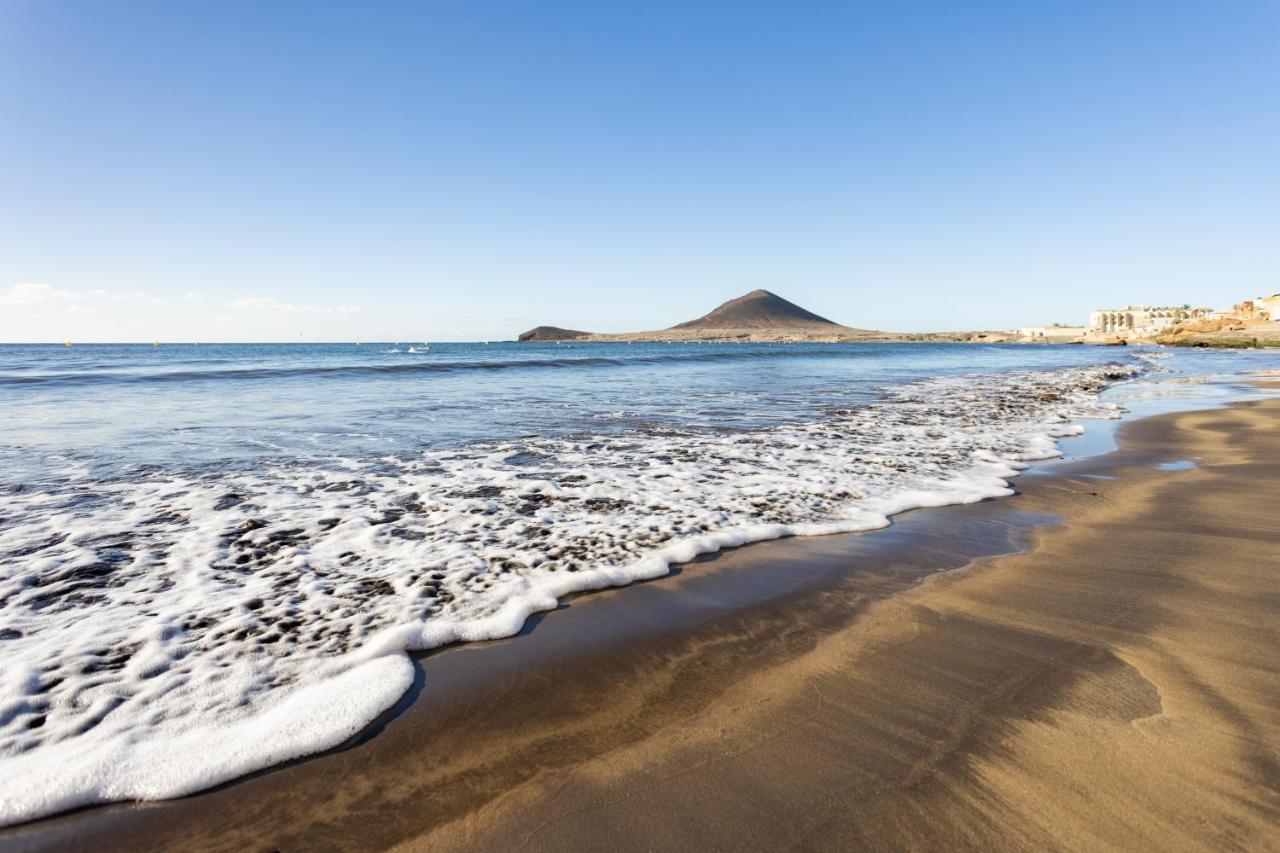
(759, 309)
(551, 333)
(760, 315)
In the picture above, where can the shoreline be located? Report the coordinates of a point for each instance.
(666, 654)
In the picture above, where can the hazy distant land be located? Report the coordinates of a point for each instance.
(764, 317)
(759, 316)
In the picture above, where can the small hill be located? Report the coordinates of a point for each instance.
(761, 309)
(551, 333)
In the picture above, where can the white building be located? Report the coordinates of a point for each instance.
(1053, 333)
(1139, 319)
(1269, 306)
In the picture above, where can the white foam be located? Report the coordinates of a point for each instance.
(175, 630)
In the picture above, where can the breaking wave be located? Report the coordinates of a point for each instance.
(170, 631)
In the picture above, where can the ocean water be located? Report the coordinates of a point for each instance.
(215, 558)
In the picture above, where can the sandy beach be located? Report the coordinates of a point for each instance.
(1098, 670)
(639, 427)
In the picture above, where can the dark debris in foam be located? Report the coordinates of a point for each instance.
(263, 574)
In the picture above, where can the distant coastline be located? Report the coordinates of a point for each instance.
(756, 317)
(764, 317)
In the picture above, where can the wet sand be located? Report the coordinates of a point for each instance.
(1116, 684)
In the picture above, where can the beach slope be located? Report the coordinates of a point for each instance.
(1117, 687)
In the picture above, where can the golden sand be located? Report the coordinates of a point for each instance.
(1116, 686)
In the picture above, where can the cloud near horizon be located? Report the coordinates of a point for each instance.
(31, 293)
(267, 303)
(37, 311)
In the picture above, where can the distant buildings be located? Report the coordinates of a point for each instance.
(1262, 308)
(1147, 321)
(1140, 319)
(1271, 305)
(1055, 333)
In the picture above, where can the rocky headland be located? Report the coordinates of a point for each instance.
(1222, 333)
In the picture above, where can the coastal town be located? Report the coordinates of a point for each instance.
(1249, 323)
(764, 317)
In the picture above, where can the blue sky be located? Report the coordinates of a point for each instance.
(461, 171)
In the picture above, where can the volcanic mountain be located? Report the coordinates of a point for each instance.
(757, 316)
(761, 309)
(552, 333)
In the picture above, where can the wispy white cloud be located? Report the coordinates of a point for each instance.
(266, 303)
(29, 296)
(30, 293)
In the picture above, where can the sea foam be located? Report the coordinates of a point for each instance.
(168, 631)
